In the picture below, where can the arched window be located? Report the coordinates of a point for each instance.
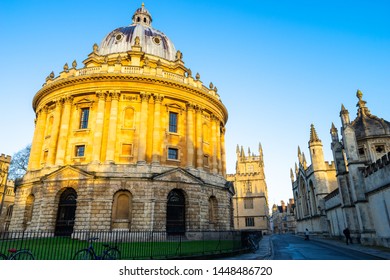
(28, 211)
(302, 190)
(213, 212)
(128, 118)
(10, 209)
(313, 201)
(122, 210)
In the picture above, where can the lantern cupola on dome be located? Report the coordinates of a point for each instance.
(151, 41)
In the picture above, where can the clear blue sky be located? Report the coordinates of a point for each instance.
(279, 65)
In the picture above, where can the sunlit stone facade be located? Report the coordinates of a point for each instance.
(250, 201)
(129, 141)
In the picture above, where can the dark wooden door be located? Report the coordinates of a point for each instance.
(66, 213)
(176, 222)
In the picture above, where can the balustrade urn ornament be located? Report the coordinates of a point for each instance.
(95, 48)
(74, 64)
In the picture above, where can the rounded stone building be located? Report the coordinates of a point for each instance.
(131, 141)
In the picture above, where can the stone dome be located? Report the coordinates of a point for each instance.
(151, 41)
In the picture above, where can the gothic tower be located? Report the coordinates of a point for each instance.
(251, 199)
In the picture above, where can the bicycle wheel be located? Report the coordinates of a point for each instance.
(83, 254)
(112, 254)
(22, 255)
(3, 257)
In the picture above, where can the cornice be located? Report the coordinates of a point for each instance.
(63, 83)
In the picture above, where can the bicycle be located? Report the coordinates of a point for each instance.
(14, 254)
(109, 253)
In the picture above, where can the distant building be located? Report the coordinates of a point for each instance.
(355, 192)
(310, 185)
(283, 217)
(7, 195)
(250, 202)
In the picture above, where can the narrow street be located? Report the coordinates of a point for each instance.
(291, 247)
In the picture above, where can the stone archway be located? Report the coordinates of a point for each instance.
(176, 214)
(66, 212)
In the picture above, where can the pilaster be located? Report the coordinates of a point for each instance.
(61, 149)
(156, 149)
(112, 127)
(55, 132)
(36, 149)
(199, 138)
(98, 133)
(190, 135)
(143, 127)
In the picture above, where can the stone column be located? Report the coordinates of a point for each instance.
(54, 133)
(156, 149)
(190, 135)
(39, 134)
(219, 154)
(223, 151)
(214, 166)
(112, 127)
(143, 127)
(98, 133)
(199, 138)
(64, 129)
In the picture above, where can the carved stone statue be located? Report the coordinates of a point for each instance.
(136, 41)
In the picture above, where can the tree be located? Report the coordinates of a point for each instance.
(19, 163)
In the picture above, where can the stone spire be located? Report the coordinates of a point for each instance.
(334, 133)
(291, 175)
(344, 115)
(260, 150)
(304, 162)
(242, 153)
(313, 134)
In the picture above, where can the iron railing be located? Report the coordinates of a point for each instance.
(132, 245)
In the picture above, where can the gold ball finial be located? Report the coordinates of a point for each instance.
(359, 94)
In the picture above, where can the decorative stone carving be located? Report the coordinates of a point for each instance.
(179, 55)
(137, 41)
(74, 64)
(95, 48)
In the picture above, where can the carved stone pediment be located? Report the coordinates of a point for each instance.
(178, 175)
(68, 173)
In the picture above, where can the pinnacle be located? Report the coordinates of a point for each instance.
(313, 134)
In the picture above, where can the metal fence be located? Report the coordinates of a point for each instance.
(132, 245)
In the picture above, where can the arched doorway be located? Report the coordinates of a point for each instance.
(176, 223)
(66, 213)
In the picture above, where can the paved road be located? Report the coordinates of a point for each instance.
(291, 247)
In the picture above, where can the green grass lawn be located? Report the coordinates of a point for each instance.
(64, 248)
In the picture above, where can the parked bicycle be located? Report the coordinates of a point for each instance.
(14, 254)
(109, 253)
